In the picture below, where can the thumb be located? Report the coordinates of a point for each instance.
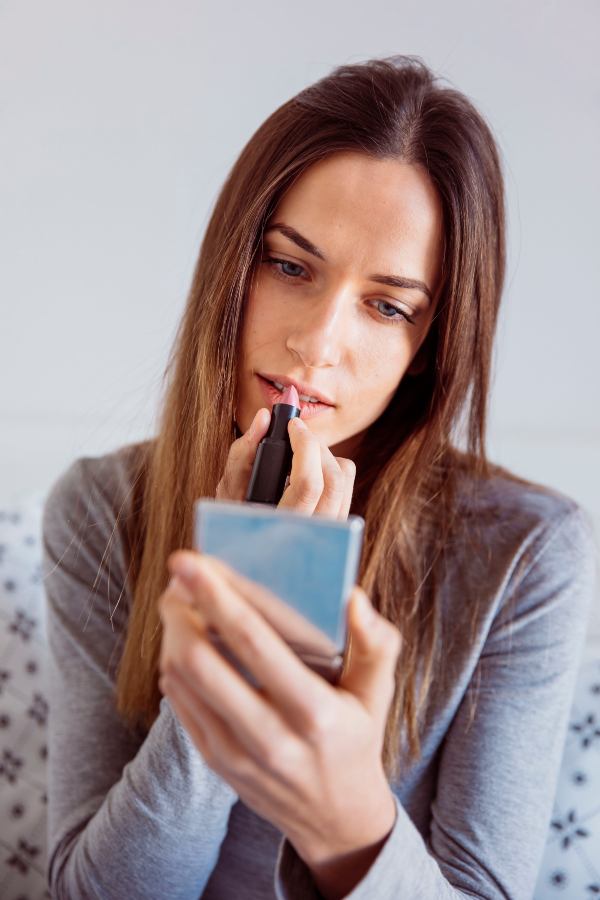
(247, 444)
(240, 459)
(374, 647)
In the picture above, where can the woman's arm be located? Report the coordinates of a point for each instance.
(127, 818)
(497, 776)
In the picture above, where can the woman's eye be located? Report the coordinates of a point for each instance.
(396, 314)
(273, 262)
(393, 314)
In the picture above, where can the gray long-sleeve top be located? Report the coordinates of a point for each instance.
(144, 817)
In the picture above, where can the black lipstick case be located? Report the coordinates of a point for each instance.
(273, 460)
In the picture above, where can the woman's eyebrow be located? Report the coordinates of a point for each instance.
(393, 280)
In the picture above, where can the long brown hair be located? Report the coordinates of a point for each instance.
(410, 464)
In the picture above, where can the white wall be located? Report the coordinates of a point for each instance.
(118, 124)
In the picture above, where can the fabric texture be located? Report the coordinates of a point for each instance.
(142, 815)
(571, 863)
(23, 704)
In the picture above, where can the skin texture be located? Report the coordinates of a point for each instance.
(302, 753)
(325, 328)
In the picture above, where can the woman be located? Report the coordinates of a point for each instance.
(357, 249)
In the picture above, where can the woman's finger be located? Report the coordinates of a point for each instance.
(221, 750)
(306, 477)
(348, 467)
(186, 716)
(213, 682)
(334, 489)
(185, 622)
(296, 690)
(371, 667)
(208, 732)
(238, 468)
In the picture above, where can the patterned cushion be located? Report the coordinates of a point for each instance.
(23, 705)
(571, 862)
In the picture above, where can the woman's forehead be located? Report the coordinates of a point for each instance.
(376, 216)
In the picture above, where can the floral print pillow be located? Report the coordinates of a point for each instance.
(571, 863)
(23, 705)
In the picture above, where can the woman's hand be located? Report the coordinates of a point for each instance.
(320, 483)
(302, 753)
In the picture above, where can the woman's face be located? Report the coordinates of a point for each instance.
(332, 324)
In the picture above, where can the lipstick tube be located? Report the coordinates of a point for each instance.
(273, 461)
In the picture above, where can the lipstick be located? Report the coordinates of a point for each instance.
(273, 460)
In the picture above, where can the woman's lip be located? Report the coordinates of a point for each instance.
(307, 410)
(300, 387)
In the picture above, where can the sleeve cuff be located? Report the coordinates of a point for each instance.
(293, 879)
(396, 871)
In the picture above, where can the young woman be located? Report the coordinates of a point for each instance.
(357, 250)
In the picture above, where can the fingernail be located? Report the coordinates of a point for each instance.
(184, 567)
(297, 422)
(250, 428)
(185, 589)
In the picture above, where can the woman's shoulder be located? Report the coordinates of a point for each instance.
(106, 480)
(86, 525)
(522, 558)
(508, 518)
(94, 494)
(501, 497)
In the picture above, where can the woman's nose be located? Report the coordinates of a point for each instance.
(317, 332)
